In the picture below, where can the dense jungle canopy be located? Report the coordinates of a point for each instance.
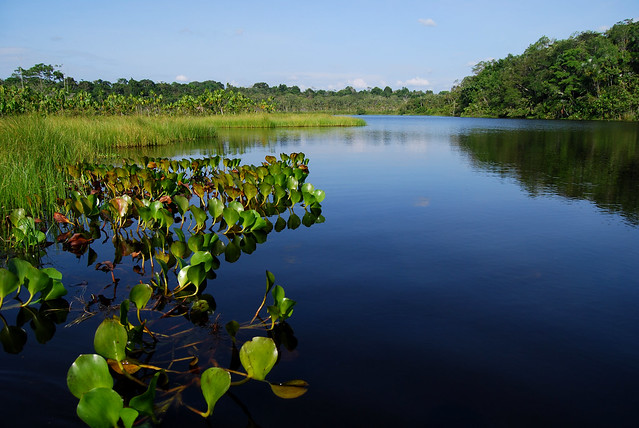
(590, 75)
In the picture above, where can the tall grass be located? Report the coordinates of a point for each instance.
(32, 147)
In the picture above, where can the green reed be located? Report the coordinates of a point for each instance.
(32, 147)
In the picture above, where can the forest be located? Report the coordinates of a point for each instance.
(590, 75)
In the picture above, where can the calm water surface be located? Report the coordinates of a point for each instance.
(470, 272)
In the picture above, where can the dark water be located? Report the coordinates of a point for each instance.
(470, 272)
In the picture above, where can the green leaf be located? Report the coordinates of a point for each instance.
(110, 339)
(231, 216)
(250, 191)
(197, 274)
(9, 283)
(124, 312)
(178, 249)
(270, 281)
(291, 389)
(258, 356)
(319, 195)
(38, 281)
(144, 402)
(296, 196)
(100, 408)
(182, 203)
(214, 383)
(203, 257)
(248, 218)
(196, 242)
(20, 268)
(128, 416)
(292, 183)
(88, 371)
(232, 327)
(200, 216)
(216, 207)
(307, 188)
(140, 295)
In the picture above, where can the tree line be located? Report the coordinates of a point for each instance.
(587, 76)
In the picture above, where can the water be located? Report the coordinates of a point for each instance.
(470, 272)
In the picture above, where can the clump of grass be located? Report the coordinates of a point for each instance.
(32, 147)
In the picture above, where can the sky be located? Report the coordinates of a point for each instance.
(421, 45)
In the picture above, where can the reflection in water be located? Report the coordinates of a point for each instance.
(600, 165)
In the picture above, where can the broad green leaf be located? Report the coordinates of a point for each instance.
(248, 218)
(295, 196)
(231, 216)
(110, 339)
(9, 283)
(319, 195)
(196, 242)
(89, 371)
(100, 408)
(178, 249)
(270, 281)
(237, 206)
(292, 183)
(182, 277)
(232, 327)
(250, 191)
(20, 268)
(308, 188)
(144, 402)
(38, 281)
(128, 416)
(140, 295)
(124, 312)
(202, 257)
(258, 356)
(216, 207)
(214, 383)
(200, 216)
(291, 389)
(197, 274)
(55, 289)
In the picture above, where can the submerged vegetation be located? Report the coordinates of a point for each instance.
(163, 214)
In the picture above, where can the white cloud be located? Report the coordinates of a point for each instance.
(358, 83)
(181, 78)
(427, 22)
(415, 81)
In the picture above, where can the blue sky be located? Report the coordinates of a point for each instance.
(322, 45)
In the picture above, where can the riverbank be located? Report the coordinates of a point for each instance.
(32, 146)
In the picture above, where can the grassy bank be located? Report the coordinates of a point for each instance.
(32, 146)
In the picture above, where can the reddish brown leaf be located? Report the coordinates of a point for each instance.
(60, 218)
